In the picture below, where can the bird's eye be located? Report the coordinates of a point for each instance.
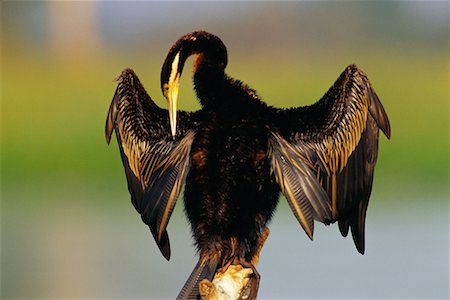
(165, 89)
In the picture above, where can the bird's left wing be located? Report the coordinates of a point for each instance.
(155, 164)
(330, 148)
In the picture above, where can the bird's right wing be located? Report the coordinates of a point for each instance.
(155, 164)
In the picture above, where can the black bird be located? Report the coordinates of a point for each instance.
(237, 153)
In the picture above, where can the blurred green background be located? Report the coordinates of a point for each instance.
(68, 229)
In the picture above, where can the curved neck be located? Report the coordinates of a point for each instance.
(210, 83)
(218, 92)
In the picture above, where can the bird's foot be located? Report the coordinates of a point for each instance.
(250, 289)
(207, 290)
(261, 240)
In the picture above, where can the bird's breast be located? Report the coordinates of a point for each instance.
(229, 183)
(199, 151)
(240, 147)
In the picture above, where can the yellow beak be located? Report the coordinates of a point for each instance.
(171, 93)
(172, 97)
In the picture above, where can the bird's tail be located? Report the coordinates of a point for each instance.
(205, 269)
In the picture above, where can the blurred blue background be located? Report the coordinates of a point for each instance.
(68, 229)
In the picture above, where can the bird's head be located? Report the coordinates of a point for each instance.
(209, 48)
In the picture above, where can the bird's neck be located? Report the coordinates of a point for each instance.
(220, 93)
(210, 83)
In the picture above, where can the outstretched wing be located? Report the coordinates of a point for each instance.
(155, 164)
(334, 142)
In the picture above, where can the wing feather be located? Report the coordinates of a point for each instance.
(337, 139)
(155, 165)
(298, 183)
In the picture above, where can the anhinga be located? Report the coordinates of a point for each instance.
(236, 154)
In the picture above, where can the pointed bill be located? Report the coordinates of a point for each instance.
(172, 94)
(173, 98)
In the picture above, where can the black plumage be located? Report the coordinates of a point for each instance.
(237, 153)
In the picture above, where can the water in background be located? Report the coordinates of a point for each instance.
(71, 252)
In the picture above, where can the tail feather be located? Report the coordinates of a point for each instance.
(205, 269)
